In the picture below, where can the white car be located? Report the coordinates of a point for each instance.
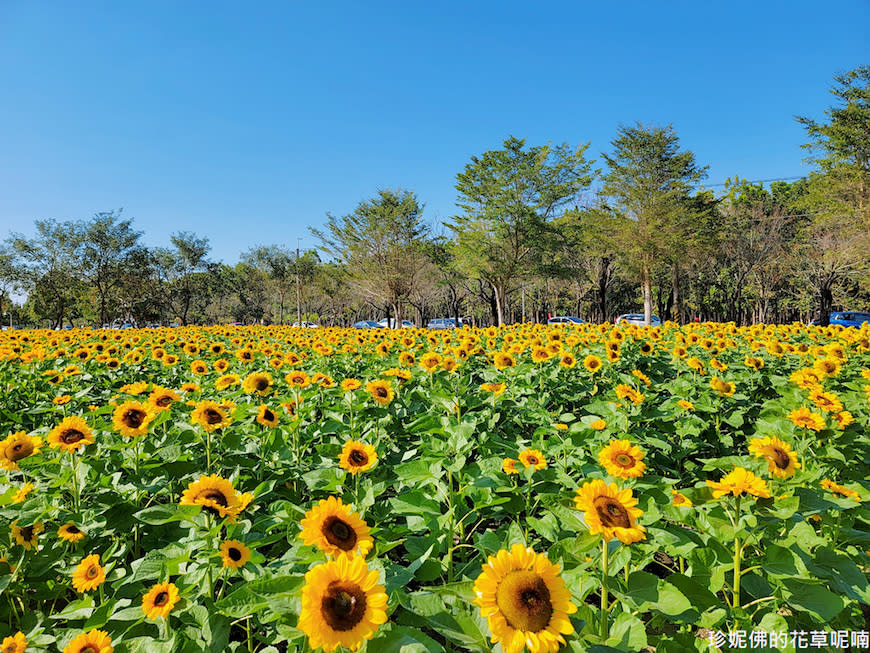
(406, 324)
(638, 319)
(308, 325)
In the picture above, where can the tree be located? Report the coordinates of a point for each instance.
(182, 272)
(382, 245)
(287, 272)
(508, 198)
(51, 268)
(835, 240)
(649, 180)
(10, 278)
(110, 247)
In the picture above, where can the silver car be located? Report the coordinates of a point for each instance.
(638, 319)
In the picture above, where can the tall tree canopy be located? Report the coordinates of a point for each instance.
(649, 180)
(508, 200)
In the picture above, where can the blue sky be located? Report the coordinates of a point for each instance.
(247, 122)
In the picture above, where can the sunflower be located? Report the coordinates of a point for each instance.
(598, 425)
(18, 446)
(753, 362)
(681, 500)
(496, 389)
(16, 643)
(199, 368)
(259, 383)
(221, 365)
(826, 401)
(724, 388)
(686, 405)
(335, 530)
(610, 511)
(234, 554)
(21, 494)
(70, 435)
(502, 360)
(509, 466)
(266, 417)
(430, 361)
(216, 494)
(381, 391)
(533, 458)
(568, 361)
(298, 379)
(843, 419)
(161, 399)
(738, 482)
(342, 604)
(210, 415)
(643, 377)
(524, 600)
(627, 392)
(131, 419)
(160, 600)
(540, 355)
(69, 532)
(26, 536)
(89, 574)
(805, 418)
(349, 385)
(622, 459)
(190, 387)
(357, 457)
(93, 641)
(781, 460)
(836, 488)
(827, 367)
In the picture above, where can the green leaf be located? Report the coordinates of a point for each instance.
(401, 639)
(822, 604)
(627, 633)
(166, 513)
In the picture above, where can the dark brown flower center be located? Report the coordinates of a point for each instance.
(343, 605)
(234, 554)
(92, 572)
(73, 529)
(780, 458)
(624, 460)
(358, 458)
(215, 495)
(381, 391)
(133, 418)
(524, 600)
(163, 401)
(611, 513)
(339, 533)
(20, 450)
(261, 384)
(27, 533)
(89, 649)
(71, 436)
(161, 599)
(213, 416)
(268, 415)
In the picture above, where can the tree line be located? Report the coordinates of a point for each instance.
(540, 230)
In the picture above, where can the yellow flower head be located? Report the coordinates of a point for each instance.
(524, 600)
(89, 574)
(533, 458)
(357, 457)
(803, 417)
(738, 482)
(17, 447)
(622, 459)
(781, 460)
(159, 600)
(337, 531)
(70, 435)
(610, 511)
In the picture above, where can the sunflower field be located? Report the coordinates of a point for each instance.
(599, 488)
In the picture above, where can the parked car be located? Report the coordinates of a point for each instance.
(848, 318)
(637, 318)
(366, 324)
(406, 324)
(444, 323)
(307, 325)
(565, 319)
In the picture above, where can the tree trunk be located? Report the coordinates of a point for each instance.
(826, 302)
(498, 291)
(603, 274)
(677, 312)
(646, 288)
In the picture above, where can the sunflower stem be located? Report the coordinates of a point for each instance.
(75, 481)
(604, 607)
(735, 602)
(248, 634)
(208, 451)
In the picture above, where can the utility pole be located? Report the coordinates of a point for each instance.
(298, 288)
